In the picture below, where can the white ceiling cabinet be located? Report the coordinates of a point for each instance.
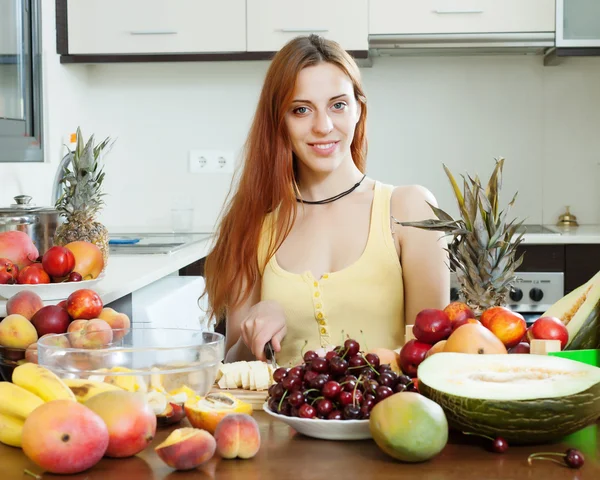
(97, 27)
(460, 16)
(272, 23)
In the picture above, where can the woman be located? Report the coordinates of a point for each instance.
(306, 250)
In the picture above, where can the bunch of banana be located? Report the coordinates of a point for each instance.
(32, 386)
(86, 389)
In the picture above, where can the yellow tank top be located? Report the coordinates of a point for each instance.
(364, 300)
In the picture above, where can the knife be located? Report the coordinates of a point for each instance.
(270, 354)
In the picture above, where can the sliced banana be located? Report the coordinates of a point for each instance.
(180, 397)
(157, 401)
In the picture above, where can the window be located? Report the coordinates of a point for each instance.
(20, 81)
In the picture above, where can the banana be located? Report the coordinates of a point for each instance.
(41, 381)
(17, 402)
(11, 430)
(86, 389)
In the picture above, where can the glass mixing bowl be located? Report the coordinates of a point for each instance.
(137, 359)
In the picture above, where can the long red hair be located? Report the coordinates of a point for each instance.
(267, 181)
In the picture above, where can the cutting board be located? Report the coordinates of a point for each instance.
(254, 398)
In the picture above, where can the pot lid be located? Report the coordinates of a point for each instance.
(23, 204)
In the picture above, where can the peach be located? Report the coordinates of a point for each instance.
(31, 353)
(62, 436)
(187, 448)
(207, 412)
(174, 413)
(387, 356)
(489, 314)
(17, 332)
(89, 261)
(130, 420)
(93, 333)
(24, 303)
(117, 321)
(437, 348)
(458, 311)
(18, 247)
(238, 436)
(507, 325)
(84, 304)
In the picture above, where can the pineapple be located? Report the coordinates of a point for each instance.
(81, 197)
(482, 251)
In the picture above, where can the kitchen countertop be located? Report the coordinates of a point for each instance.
(285, 454)
(125, 274)
(578, 235)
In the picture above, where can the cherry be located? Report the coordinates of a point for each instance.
(368, 402)
(368, 373)
(74, 277)
(399, 387)
(351, 412)
(291, 383)
(309, 376)
(331, 389)
(307, 411)
(324, 406)
(278, 391)
(572, 458)
(370, 386)
(338, 366)
(386, 379)
(384, 392)
(358, 396)
(499, 445)
(319, 365)
(296, 398)
(357, 361)
(348, 383)
(331, 354)
(384, 368)
(335, 415)
(345, 398)
(370, 396)
(279, 374)
(372, 359)
(271, 390)
(352, 347)
(273, 404)
(404, 379)
(296, 372)
(310, 355)
(365, 412)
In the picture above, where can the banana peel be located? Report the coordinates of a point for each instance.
(86, 389)
(206, 412)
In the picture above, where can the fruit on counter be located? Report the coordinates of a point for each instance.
(173, 413)
(58, 261)
(25, 303)
(431, 326)
(254, 375)
(186, 448)
(462, 322)
(412, 354)
(237, 436)
(520, 347)
(90, 334)
(16, 401)
(437, 348)
(42, 382)
(31, 353)
(521, 398)
(33, 274)
(84, 304)
(409, 427)
(206, 412)
(18, 247)
(64, 437)
(550, 328)
(387, 357)
(130, 420)
(117, 321)
(8, 272)
(507, 325)
(473, 338)
(11, 430)
(89, 261)
(84, 389)
(51, 319)
(458, 312)
(17, 332)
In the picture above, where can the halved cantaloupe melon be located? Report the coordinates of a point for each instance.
(522, 398)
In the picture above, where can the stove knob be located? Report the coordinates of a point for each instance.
(536, 294)
(516, 294)
(454, 294)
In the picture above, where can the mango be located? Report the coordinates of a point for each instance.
(17, 332)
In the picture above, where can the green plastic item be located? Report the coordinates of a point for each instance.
(591, 356)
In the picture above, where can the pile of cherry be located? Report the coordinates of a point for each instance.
(345, 385)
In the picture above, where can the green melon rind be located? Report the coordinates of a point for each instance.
(588, 335)
(519, 421)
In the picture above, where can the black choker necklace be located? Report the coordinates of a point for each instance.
(335, 197)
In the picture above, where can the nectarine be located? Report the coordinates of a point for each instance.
(93, 333)
(507, 325)
(84, 304)
(25, 303)
(187, 448)
(117, 321)
(237, 436)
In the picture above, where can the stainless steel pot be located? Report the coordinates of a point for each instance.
(39, 223)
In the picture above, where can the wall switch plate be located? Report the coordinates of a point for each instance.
(210, 161)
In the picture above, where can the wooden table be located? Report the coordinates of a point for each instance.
(285, 454)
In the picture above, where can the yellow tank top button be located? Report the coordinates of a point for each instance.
(325, 275)
(316, 284)
(317, 294)
(318, 305)
(323, 330)
(321, 322)
(320, 315)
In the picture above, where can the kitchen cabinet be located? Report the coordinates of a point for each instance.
(8, 30)
(460, 16)
(101, 27)
(577, 23)
(272, 23)
(582, 262)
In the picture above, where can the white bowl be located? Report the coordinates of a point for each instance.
(326, 429)
(49, 291)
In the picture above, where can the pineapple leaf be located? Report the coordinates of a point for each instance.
(459, 196)
(440, 213)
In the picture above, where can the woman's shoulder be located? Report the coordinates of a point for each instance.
(409, 201)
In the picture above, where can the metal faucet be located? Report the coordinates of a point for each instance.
(60, 174)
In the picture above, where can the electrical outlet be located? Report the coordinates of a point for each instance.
(210, 161)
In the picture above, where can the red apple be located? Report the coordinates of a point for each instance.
(432, 325)
(51, 319)
(33, 275)
(58, 261)
(84, 304)
(8, 271)
(550, 328)
(520, 347)
(411, 355)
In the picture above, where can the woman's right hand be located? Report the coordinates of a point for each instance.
(265, 321)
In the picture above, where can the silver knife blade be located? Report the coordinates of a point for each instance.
(270, 353)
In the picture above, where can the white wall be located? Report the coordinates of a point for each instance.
(462, 111)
